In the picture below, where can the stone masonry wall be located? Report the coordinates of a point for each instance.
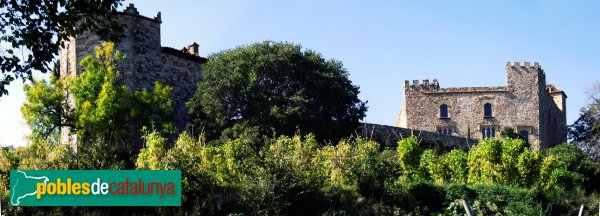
(553, 116)
(523, 104)
(146, 61)
(175, 72)
(390, 135)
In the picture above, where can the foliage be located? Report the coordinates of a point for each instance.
(528, 167)
(276, 87)
(291, 175)
(46, 109)
(485, 162)
(587, 126)
(94, 105)
(509, 132)
(34, 31)
(455, 162)
(294, 174)
(409, 154)
(153, 154)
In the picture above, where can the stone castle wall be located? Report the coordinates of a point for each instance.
(553, 116)
(146, 61)
(390, 135)
(523, 104)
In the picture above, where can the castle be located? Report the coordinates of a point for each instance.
(147, 61)
(535, 110)
(526, 103)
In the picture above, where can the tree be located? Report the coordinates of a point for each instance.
(409, 157)
(276, 87)
(587, 126)
(94, 105)
(34, 31)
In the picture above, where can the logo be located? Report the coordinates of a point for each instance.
(95, 188)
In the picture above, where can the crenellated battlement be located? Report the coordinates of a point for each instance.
(434, 87)
(426, 85)
(524, 66)
(132, 11)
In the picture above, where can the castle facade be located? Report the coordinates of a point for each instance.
(534, 109)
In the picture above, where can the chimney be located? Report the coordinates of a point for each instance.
(193, 49)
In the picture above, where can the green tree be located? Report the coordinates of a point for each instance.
(511, 150)
(529, 165)
(587, 126)
(46, 109)
(409, 157)
(153, 155)
(564, 166)
(485, 162)
(96, 107)
(455, 163)
(276, 87)
(106, 110)
(33, 32)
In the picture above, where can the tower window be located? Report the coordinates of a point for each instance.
(443, 111)
(487, 110)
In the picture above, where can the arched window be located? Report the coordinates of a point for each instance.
(525, 135)
(487, 110)
(443, 111)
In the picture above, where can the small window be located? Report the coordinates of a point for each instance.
(443, 111)
(487, 110)
(445, 131)
(488, 131)
(525, 135)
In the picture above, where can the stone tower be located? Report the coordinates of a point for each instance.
(146, 61)
(527, 104)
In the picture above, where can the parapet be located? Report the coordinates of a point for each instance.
(525, 66)
(132, 11)
(434, 88)
(426, 85)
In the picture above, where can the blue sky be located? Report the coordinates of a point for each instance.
(383, 43)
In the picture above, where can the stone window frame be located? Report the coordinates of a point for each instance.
(492, 130)
(447, 111)
(448, 106)
(527, 128)
(492, 105)
(445, 130)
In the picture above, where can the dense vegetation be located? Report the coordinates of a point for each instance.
(289, 174)
(274, 87)
(297, 175)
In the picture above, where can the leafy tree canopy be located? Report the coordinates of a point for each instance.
(276, 87)
(33, 31)
(94, 105)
